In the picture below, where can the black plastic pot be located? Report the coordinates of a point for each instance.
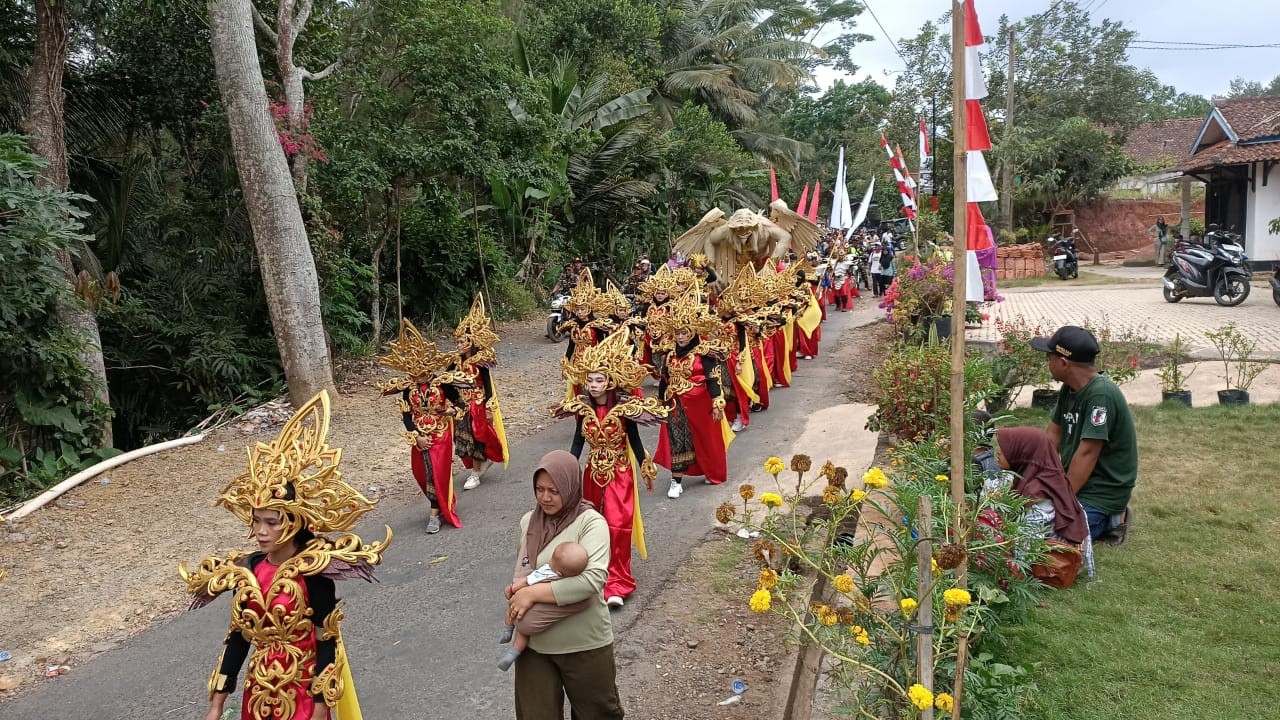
(1044, 398)
(998, 403)
(1233, 397)
(1180, 396)
(941, 324)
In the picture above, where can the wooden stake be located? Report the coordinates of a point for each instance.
(957, 690)
(924, 612)
(960, 220)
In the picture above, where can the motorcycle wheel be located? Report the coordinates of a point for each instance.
(1169, 297)
(553, 330)
(1075, 272)
(1231, 291)
(1275, 295)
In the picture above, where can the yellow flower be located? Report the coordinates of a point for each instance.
(942, 478)
(771, 500)
(843, 583)
(857, 495)
(761, 601)
(957, 597)
(768, 578)
(908, 606)
(747, 491)
(944, 702)
(920, 697)
(875, 478)
(934, 566)
(896, 462)
(774, 465)
(827, 616)
(862, 638)
(831, 495)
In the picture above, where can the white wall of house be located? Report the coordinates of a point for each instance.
(1152, 185)
(1263, 206)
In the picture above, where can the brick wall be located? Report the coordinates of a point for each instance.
(1019, 261)
(1113, 225)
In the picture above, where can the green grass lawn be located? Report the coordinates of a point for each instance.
(1086, 278)
(1183, 621)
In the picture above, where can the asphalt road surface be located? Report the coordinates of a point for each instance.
(422, 642)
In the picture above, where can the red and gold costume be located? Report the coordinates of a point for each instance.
(587, 325)
(286, 618)
(732, 307)
(430, 402)
(657, 293)
(693, 441)
(479, 439)
(617, 456)
(808, 328)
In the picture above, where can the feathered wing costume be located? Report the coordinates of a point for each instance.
(289, 614)
(748, 237)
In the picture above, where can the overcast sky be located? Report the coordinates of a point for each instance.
(1204, 72)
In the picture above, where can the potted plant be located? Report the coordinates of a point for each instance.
(1173, 379)
(1236, 352)
(918, 302)
(1015, 364)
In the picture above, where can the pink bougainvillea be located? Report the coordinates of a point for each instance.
(297, 139)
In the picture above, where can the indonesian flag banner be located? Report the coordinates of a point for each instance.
(977, 140)
(908, 204)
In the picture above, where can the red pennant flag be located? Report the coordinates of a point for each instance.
(803, 206)
(813, 206)
(773, 184)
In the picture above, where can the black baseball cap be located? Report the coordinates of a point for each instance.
(1071, 342)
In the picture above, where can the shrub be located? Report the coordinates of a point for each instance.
(913, 395)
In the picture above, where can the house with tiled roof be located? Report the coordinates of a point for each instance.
(1156, 147)
(1233, 154)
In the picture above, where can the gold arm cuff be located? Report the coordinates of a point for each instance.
(718, 403)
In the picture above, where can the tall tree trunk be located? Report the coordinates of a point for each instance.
(284, 254)
(294, 95)
(45, 125)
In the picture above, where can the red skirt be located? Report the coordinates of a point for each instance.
(711, 454)
(441, 477)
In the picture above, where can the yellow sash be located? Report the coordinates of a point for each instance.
(747, 375)
(788, 337)
(499, 428)
(812, 316)
(348, 707)
(637, 524)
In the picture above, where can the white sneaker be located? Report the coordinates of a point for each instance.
(675, 490)
(614, 601)
(737, 425)
(473, 482)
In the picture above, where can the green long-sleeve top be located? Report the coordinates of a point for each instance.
(590, 629)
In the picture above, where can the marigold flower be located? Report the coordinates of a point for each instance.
(844, 615)
(761, 600)
(828, 471)
(920, 696)
(827, 616)
(875, 478)
(766, 552)
(942, 478)
(840, 476)
(957, 597)
(774, 465)
(843, 583)
(944, 702)
(860, 635)
(801, 463)
(771, 500)
(831, 495)
(724, 513)
(908, 606)
(768, 578)
(933, 563)
(858, 495)
(746, 491)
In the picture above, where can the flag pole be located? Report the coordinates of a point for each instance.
(959, 252)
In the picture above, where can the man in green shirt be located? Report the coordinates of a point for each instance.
(1094, 431)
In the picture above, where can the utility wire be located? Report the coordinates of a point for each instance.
(886, 34)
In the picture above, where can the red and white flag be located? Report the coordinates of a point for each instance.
(977, 140)
(908, 203)
(926, 164)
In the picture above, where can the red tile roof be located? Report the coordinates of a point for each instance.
(1251, 119)
(1163, 142)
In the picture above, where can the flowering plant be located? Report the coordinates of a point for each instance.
(925, 287)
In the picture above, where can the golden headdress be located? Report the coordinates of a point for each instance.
(477, 327)
(586, 294)
(687, 312)
(297, 474)
(697, 261)
(739, 296)
(412, 355)
(613, 357)
(618, 302)
(661, 281)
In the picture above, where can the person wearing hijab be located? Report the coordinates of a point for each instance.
(1032, 456)
(570, 649)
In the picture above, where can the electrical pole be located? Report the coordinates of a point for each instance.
(1006, 185)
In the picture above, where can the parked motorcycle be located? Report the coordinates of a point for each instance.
(1066, 265)
(556, 317)
(1275, 286)
(1217, 267)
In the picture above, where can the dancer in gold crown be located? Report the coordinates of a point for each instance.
(285, 617)
(588, 322)
(430, 403)
(609, 416)
(480, 438)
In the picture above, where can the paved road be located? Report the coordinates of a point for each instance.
(1140, 306)
(423, 642)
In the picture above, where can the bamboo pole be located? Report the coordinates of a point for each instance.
(924, 611)
(959, 252)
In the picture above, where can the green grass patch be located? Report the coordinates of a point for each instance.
(1183, 621)
(1086, 278)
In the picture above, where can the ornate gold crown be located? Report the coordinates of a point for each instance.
(413, 355)
(661, 281)
(687, 312)
(586, 294)
(297, 474)
(739, 296)
(612, 357)
(477, 327)
(697, 261)
(618, 302)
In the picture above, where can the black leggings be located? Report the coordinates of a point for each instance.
(882, 282)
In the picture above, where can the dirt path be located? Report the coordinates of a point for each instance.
(100, 563)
